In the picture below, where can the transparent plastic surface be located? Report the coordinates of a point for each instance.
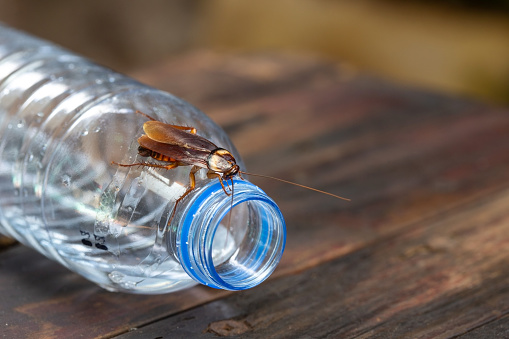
(63, 120)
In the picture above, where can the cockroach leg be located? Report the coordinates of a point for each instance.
(212, 175)
(145, 115)
(192, 185)
(170, 165)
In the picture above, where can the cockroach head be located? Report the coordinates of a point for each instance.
(222, 161)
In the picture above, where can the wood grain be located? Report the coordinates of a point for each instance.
(400, 154)
(498, 328)
(437, 279)
(422, 242)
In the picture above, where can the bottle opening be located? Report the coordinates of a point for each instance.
(231, 244)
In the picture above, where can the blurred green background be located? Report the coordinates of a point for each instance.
(455, 46)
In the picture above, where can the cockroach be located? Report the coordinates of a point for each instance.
(176, 146)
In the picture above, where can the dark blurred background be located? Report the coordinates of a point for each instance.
(456, 46)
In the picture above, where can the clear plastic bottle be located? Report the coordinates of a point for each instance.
(63, 120)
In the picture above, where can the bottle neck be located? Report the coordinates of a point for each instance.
(230, 242)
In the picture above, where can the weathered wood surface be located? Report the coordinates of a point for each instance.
(434, 280)
(421, 251)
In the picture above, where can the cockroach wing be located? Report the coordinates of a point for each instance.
(167, 134)
(177, 153)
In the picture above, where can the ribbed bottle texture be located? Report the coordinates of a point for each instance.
(63, 120)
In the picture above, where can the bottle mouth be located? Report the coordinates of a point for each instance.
(231, 242)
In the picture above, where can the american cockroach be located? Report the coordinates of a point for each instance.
(177, 146)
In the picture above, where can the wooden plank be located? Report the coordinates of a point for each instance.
(400, 154)
(51, 293)
(208, 79)
(41, 299)
(438, 279)
(404, 156)
(498, 328)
